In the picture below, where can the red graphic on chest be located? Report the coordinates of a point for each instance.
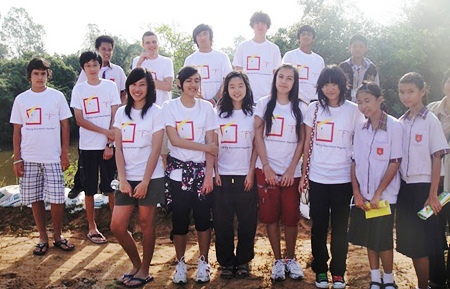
(418, 137)
(380, 151)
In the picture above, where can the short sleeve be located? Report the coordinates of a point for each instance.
(261, 107)
(15, 113)
(118, 117)
(64, 110)
(75, 100)
(159, 122)
(168, 68)
(211, 117)
(237, 59)
(276, 56)
(168, 115)
(437, 138)
(308, 117)
(396, 141)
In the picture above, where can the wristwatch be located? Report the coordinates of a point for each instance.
(110, 145)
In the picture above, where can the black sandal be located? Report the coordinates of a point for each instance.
(390, 285)
(40, 249)
(64, 245)
(242, 271)
(227, 272)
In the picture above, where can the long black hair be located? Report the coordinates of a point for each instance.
(293, 98)
(331, 74)
(225, 105)
(150, 98)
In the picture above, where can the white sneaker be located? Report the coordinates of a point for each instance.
(278, 271)
(294, 269)
(203, 271)
(180, 275)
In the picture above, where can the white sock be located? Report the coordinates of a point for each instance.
(388, 278)
(375, 274)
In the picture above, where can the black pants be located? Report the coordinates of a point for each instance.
(231, 199)
(329, 200)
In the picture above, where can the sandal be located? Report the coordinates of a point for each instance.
(97, 238)
(141, 282)
(40, 249)
(242, 271)
(125, 278)
(64, 245)
(390, 285)
(378, 284)
(227, 272)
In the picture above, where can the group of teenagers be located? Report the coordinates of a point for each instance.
(245, 143)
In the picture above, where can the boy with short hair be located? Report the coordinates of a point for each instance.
(95, 102)
(358, 68)
(212, 64)
(41, 151)
(308, 63)
(258, 57)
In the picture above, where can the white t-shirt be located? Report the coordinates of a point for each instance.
(161, 68)
(95, 103)
(373, 151)
(309, 68)
(331, 157)
(236, 135)
(112, 72)
(213, 67)
(191, 124)
(40, 114)
(422, 137)
(258, 60)
(282, 141)
(137, 136)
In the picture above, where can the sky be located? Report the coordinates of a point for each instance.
(65, 22)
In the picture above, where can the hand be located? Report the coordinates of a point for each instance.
(269, 174)
(108, 153)
(18, 169)
(144, 56)
(360, 202)
(249, 181)
(287, 179)
(140, 191)
(374, 202)
(207, 186)
(125, 188)
(434, 203)
(218, 180)
(211, 148)
(303, 184)
(65, 162)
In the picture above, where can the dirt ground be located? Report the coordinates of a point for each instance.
(96, 266)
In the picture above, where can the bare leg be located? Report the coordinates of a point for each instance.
(204, 240)
(57, 212)
(421, 265)
(273, 232)
(180, 245)
(147, 224)
(387, 258)
(290, 235)
(38, 209)
(111, 201)
(374, 260)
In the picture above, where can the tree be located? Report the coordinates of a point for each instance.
(20, 34)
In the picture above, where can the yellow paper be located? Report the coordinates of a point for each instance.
(384, 209)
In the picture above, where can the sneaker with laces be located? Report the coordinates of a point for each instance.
(180, 275)
(294, 269)
(278, 271)
(322, 280)
(203, 271)
(338, 282)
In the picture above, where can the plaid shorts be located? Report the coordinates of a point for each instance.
(42, 182)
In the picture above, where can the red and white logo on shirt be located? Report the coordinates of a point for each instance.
(204, 71)
(418, 137)
(277, 126)
(91, 105)
(185, 129)
(253, 62)
(229, 133)
(128, 132)
(34, 116)
(303, 72)
(325, 131)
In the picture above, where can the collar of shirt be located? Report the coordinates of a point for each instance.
(422, 113)
(382, 122)
(364, 64)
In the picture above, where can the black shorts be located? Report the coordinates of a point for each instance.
(90, 162)
(183, 202)
(376, 234)
(155, 194)
(416, 238)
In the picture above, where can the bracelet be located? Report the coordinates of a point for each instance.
(266, 163)
(18, 161)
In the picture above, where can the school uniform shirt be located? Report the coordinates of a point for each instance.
(423, 139)
(112, 72)
(137, 136)
(309, 67)
(439, 110)
(258, 60)
(235, 135)
(40, 114)
(161, 68)
(213, 67)
(332, 142)
(282, 140)
(191, 123)
(95, 103)
(373, 151)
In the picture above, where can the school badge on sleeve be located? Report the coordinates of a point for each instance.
(418, 137)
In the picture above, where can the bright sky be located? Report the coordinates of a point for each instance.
(65, 22)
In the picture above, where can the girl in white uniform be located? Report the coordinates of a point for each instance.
(329, 173)
(377, 153)
(279, 137)
(424, 145)
(190, 125)
(235, 192)
(139, 129)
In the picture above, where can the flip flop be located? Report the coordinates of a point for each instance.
(64, 245)
(141, 281)
(122, 280)
(97, 238)
(40, 249)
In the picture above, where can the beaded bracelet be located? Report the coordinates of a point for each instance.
(18, 161)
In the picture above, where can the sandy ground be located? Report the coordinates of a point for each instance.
(96, 266)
